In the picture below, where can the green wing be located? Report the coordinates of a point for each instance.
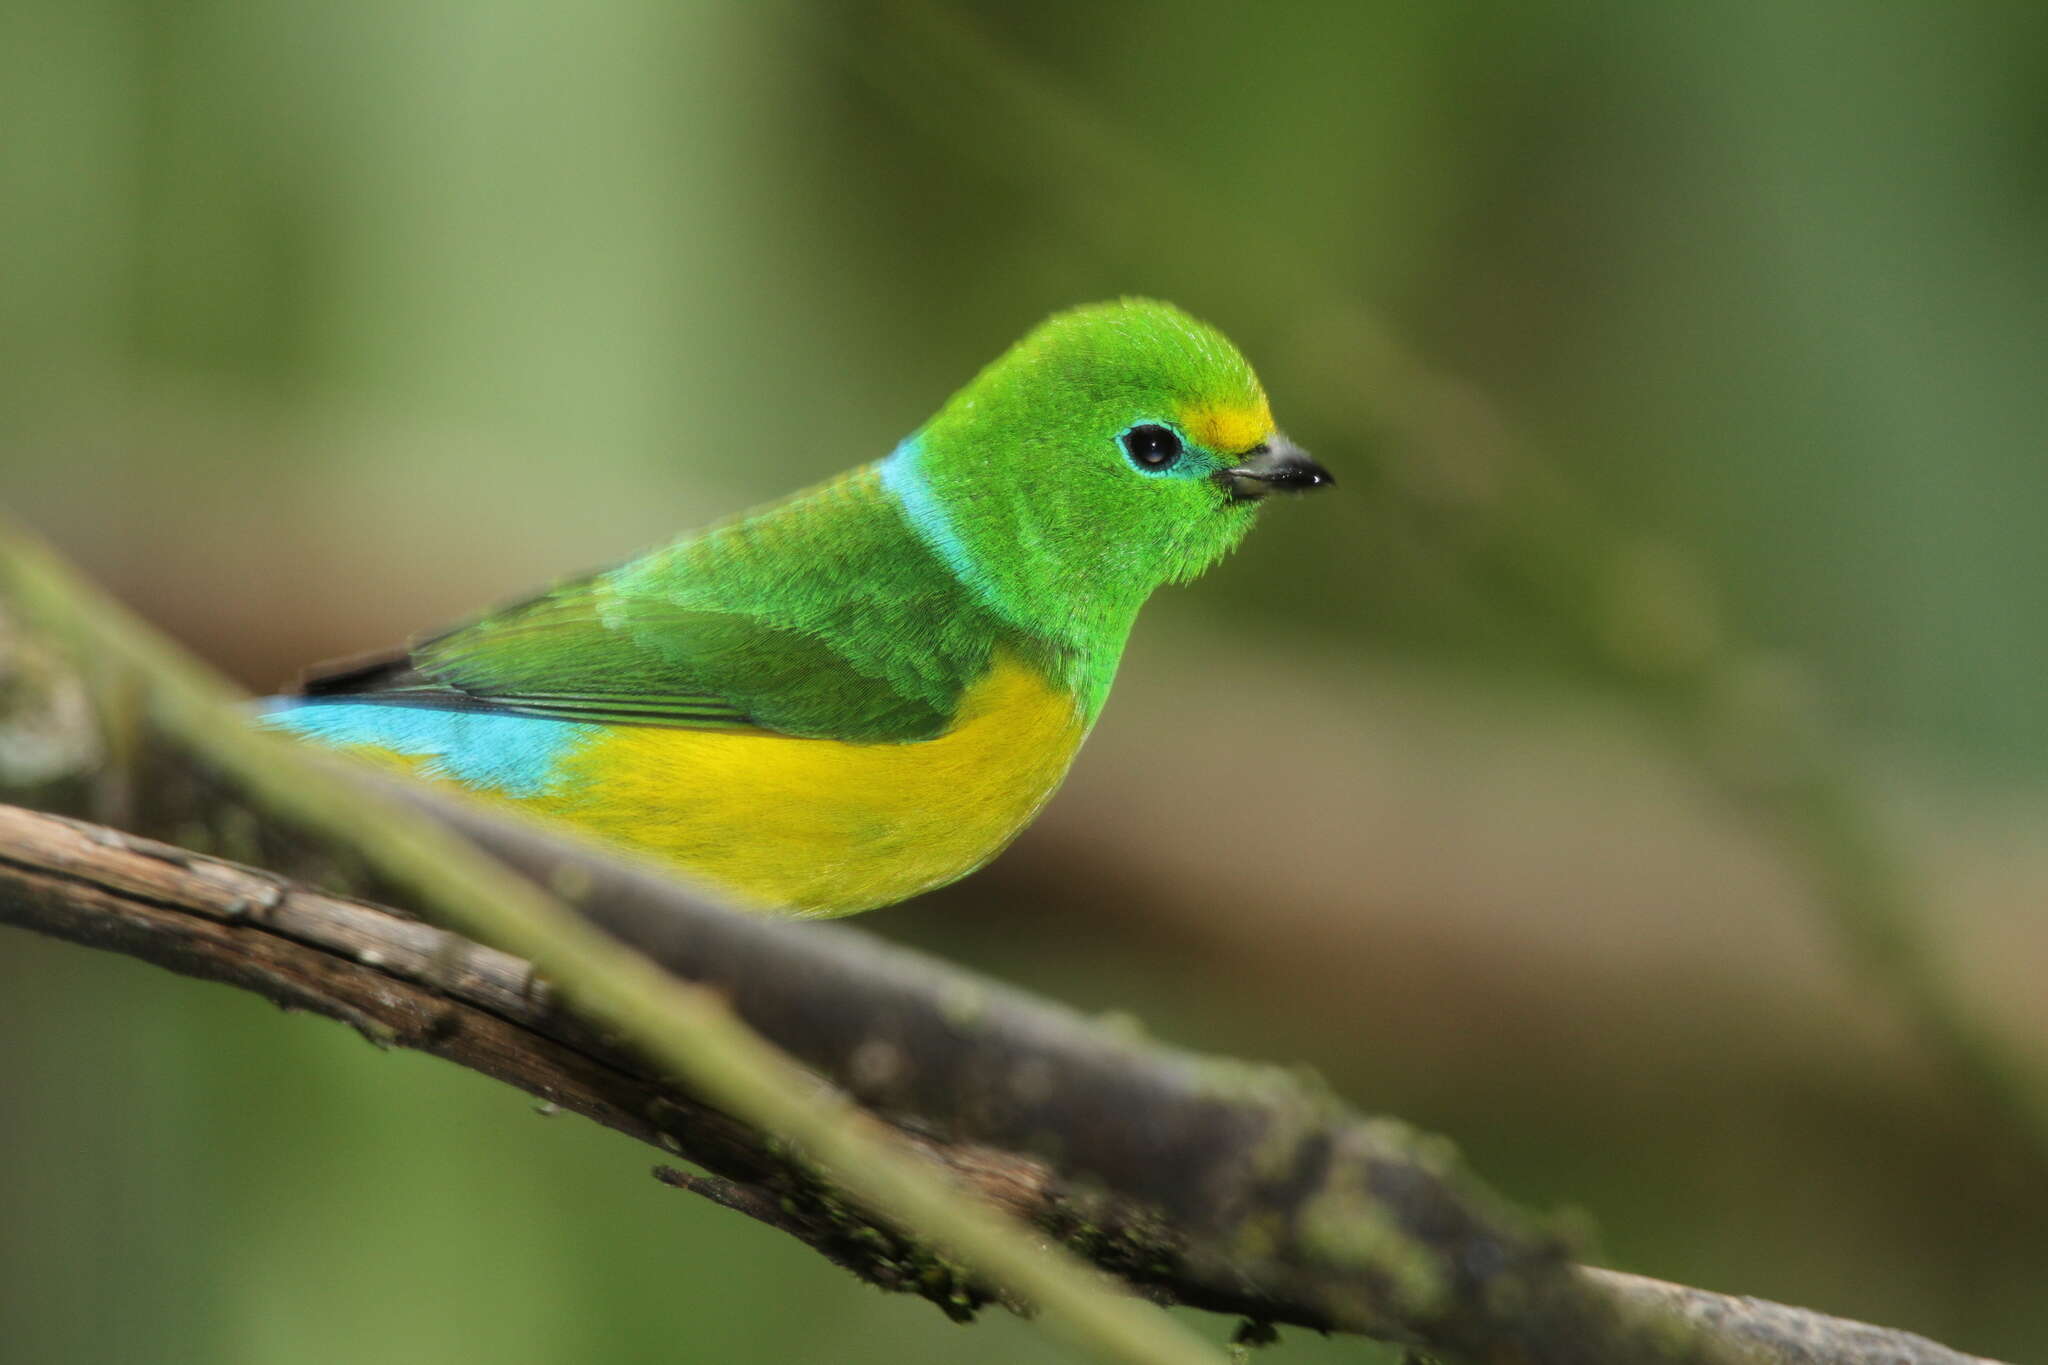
(823, 616)
(589, 652)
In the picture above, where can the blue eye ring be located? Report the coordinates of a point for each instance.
(1152, 447)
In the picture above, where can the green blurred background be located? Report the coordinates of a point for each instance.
(321, 323)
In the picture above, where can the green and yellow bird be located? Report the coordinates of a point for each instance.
(867, 690)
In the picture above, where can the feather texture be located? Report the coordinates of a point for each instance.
(866, 689)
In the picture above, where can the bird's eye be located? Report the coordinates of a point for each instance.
(1152, 447)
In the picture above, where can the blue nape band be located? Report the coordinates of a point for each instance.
(913, 493)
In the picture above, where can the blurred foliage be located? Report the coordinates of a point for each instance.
(319, 324)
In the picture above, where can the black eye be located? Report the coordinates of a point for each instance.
(1152, 446)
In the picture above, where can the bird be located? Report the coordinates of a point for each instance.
(866, 690)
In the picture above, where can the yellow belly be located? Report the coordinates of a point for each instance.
(816, 827)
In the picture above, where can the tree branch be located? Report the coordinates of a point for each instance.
(1200, 1180)
(153, 700)
(404, 983)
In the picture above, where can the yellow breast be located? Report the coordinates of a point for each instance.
(816, 827)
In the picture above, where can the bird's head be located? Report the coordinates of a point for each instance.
(1115, 448)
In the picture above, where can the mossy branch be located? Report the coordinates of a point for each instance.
(402, 983)
(689, 1031)
(1199, 1180)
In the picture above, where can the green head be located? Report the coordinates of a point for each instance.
(1116, 448)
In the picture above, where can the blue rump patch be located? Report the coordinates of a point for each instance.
(512, 754)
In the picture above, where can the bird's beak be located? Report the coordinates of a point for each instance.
(1278, 464)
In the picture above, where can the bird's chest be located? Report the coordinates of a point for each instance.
(823, 828)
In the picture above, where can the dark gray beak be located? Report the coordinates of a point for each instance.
(1277, 465)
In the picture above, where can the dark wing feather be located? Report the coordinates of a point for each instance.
(361, 675)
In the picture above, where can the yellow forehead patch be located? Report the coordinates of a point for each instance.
(1228, 430)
